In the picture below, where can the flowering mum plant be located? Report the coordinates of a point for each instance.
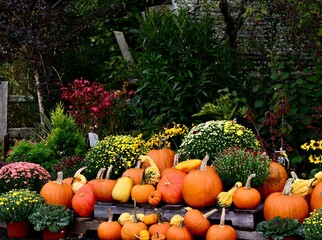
(312, 225)
(23, 175)
(121, 151)
(315, 156)
(17, 204)
(236, 165)
(213, 137)
(170, 135)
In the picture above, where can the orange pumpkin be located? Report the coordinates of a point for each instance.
(83, 201)
(131, 230)
(162, 157)
(275, 181)
(150, 219)
(285, 205)
(316, 197)
(247, 197)
(110, 230)
(159, 227)
(221, 231)
(201, 187)
(135, 173)
(179, 232)
(57, 192)
(197, 223)
(170, 185)
(141, 192)
(103, 187)
(158, 236)
(155, 198)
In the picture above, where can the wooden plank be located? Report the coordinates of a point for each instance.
(250, 235)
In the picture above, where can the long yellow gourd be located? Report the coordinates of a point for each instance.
(122, 189)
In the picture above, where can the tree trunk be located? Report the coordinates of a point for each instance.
(39, 94)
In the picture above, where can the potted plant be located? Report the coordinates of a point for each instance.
(15, 207)
(52, 220)
(312, 225)
(281, 228)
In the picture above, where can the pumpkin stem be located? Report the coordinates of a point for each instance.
(100, 173)
(157, 233)
(110, 215)
(222, 218)
(181, 224)
(176, 159)
(249, 179)
(287, 187)
(59, 178)
(159, 215)
(208, 214)
(203, 164)
(135, 218)
(138, 165)
(294, 175)
(79, 171)
(109, 170)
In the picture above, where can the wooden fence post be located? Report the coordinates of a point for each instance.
(3, 109)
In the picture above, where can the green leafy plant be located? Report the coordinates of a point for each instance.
(52, 217)
(312, 225)
(26, 175)
(34, 152)
(121, 151)
(236, 165)
(278, 228)
(18, 204)
(213, 137)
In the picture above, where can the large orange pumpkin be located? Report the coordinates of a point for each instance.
(57, 192)
(201, 187)
(110, 230)
(170, 185)
(316, 197)
(285, 205)
(275, 181)
(103, 187)
(162, 157)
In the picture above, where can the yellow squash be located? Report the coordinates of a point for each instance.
(122, 189)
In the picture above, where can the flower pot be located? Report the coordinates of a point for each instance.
(18, 229)
(48, 235)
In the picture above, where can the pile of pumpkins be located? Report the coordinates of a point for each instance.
(159, 178)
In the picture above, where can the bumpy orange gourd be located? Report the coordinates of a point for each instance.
(201, 187)
(57, 192)
(132, 229)
(247, 197)
(197, 223)
(221, 231)
(155, 198)
(275, 181)
(135, 173)
(103, 187)
(284, 204)
(110, 230)
(179, 232)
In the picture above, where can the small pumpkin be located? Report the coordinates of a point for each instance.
(57, 192)
(150, 219)
(122, 189)
(221, 231)
(109, 230)
(103, 187)
(161, 226)
(197, 223)
(154, 198)
(135, 173)
(158, 236)
(83, 201)
(180, 232)
(285, 204)
(132, 229)
(141, 192)
(124, 218)
(143, 235)
(247, 197)
(201, 187)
